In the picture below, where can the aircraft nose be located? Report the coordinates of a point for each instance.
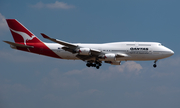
(168, 52)
(172, 52)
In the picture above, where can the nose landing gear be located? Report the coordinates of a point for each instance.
(155, 64)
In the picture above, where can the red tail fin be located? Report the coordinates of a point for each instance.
(20, 33)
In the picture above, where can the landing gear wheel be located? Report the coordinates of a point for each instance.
(88, 64)
(94, 64)
(97, 67)
(154, 65)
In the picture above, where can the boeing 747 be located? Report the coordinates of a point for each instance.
(93, 54)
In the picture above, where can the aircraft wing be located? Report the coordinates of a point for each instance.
(18, 45)
(59, 41)
(69, 46)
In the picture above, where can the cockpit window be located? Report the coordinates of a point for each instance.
(160, 45)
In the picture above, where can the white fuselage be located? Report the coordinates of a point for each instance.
(138, 51)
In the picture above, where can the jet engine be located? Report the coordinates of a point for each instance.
(84, 51)
(110, 57)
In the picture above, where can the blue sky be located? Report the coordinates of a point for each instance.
(30, 80)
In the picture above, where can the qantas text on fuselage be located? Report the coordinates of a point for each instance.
(93, 54)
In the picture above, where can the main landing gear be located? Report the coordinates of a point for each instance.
(155, 64)
(95, 64)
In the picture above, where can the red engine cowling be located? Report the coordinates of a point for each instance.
(110, 57)
(84, 51)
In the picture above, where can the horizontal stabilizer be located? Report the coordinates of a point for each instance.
(18, 45)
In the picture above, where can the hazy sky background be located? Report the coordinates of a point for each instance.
(34, 81)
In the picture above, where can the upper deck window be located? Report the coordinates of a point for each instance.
(130, 44)
(144, 44)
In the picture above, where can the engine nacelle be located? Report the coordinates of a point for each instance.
(84, 51)
(113, 62)
(110, 57)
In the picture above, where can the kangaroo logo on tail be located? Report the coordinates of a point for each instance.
(25, 36)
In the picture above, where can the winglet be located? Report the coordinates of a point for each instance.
(45, 36)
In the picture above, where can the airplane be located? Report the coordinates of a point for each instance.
(93, 54)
